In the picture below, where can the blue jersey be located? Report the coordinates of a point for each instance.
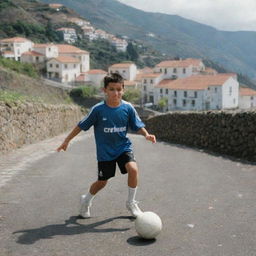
(110, 128)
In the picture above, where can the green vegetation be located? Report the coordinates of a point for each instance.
(35, 32)
(132, 95)
(162, 103)
(12, 97)
(83, 92)
(22, 68)
(6, 4)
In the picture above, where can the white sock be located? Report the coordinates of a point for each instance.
(89, 197)
(131, 194)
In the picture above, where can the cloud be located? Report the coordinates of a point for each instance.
(221, 14)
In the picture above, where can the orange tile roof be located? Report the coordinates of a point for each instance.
(43, 45)
(129, 83)
(247, 92)
(64, 28)
(15, 40)
(196, 82)
(179, 63)
(66, 59)
(66, 48)
(55, 5)
(96, 71)
(32, 53)
(122, 65)
(150, 75)
(8, 52)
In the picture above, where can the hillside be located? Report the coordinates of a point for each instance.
(15, 86)
(172, 34)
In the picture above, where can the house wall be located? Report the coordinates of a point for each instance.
(246, 102)
(230, 94)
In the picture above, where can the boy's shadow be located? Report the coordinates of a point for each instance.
(70, 227)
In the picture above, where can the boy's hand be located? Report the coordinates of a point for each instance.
(151, 138)
(63, 146)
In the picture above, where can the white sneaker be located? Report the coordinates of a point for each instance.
(133, 208)
(84, 207)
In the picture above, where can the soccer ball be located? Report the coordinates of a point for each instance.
(148, 225)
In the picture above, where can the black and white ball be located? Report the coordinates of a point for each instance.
(148, 225)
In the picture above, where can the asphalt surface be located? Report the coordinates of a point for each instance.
(207, 203)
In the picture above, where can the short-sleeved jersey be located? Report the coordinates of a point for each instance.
(110, 128)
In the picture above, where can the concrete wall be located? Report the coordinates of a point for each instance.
(227, 133)
(28, 123)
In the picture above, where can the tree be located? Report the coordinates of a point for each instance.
(162, 103)
(132, 52)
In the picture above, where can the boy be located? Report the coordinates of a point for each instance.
(111, 119)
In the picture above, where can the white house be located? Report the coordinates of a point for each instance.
(128, 70)
(247, 98)
(95, 76)
(119, 44)
(68, 34)
(199, 92)
(48, 50)
(148, 83)
(173, 69)
(32, 57)
(14, 47)
(63, 69)
(72, 51)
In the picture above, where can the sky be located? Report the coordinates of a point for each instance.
(229, 15)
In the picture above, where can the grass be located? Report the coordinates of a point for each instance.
(14, 97)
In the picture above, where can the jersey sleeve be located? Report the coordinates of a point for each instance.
(135, 122)
(89, 120)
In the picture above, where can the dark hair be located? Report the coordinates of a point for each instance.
(113, 78)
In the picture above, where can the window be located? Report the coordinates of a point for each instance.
(165, 70)
(175, 70)
(185, 94)
(37, 58)
(50, 65)
(161, 91)
(174, 102)
(175, 93)
(74, 65)
(124, 71)
(216, 89)
(184, 71)
(195, 94)
(230, 90)
(66, 66)
(193, 102)
(251, 97)
(160, 70)
(184, 103)
(49, 49)
(145, 88)
(234, 101)
(166, 91)
(145, 81)
(57, 65)
(151, 81)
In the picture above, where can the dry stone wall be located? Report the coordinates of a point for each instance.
(25, 123)
(228, 133)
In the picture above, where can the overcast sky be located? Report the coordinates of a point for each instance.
(231, 15)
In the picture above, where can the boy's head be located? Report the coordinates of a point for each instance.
(113, 78)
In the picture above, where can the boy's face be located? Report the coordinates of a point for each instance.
(114, 92)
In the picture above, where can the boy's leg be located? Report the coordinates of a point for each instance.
(86, 200)
(132, 204)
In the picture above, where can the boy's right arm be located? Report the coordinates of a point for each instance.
(72, 134)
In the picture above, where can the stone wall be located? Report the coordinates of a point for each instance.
(227, 133)
(25, 123)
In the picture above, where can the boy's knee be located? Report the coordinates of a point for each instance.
(132, 169)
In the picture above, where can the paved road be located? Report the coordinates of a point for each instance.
(206, 202)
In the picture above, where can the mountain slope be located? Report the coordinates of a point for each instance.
(174, 35)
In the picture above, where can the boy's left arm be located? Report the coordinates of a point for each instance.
(148, 136)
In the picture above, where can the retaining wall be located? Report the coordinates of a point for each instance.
(25, 123)
(228, 133)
